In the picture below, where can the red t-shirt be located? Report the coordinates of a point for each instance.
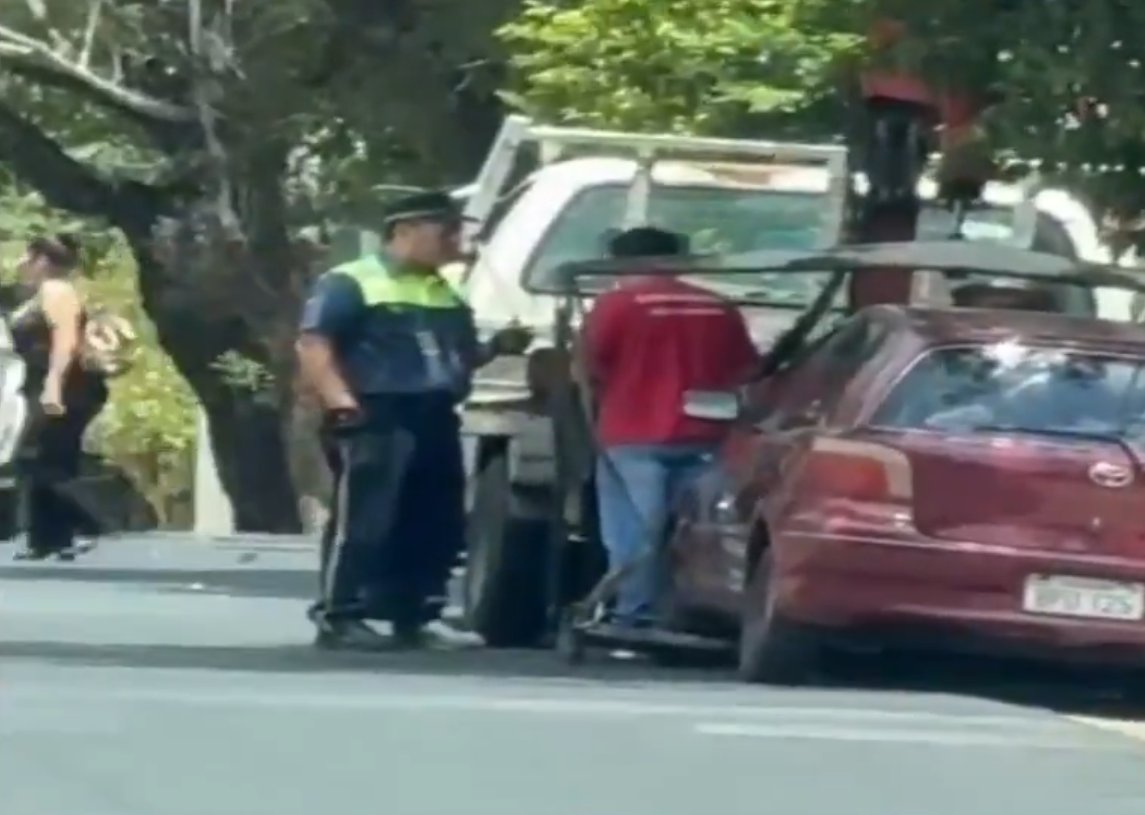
(651, 340)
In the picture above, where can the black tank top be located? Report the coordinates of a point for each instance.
(32, 338)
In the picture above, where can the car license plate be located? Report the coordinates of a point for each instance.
(1084, 597)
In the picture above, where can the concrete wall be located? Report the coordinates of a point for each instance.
(213, 512)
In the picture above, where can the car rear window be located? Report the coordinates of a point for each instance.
(1010, 386)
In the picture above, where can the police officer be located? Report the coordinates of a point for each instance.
(389, 348)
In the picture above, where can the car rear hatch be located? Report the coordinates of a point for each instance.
(1031, 448)
(1013, 490)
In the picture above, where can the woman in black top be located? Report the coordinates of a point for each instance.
(64, 396)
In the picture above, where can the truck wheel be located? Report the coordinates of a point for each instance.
(772, 649)
(505, 572)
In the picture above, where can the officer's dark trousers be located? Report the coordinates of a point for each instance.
(398, 521)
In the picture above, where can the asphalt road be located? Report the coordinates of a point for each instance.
(163, 677)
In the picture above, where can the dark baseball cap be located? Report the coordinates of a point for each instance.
(432, 205)
(647, 241)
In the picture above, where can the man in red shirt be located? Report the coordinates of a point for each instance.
(647, 342)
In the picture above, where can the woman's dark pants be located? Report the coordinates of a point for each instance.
(52, 460)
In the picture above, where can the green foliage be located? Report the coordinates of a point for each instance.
(1068, 74)
(1068, 79)
(148, 427)
(245, 374)
(687, 66)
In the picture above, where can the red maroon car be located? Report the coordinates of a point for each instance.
(957, 478)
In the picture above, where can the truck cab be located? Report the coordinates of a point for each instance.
(725, 197)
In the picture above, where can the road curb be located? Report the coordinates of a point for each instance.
(239, 540)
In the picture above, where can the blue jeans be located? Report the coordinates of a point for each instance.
(637, 486)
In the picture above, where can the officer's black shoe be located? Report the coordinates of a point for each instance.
(315, 613)
(32, 554)
(349, 635)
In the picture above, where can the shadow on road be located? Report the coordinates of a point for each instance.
(1069, 690)
(301, 658)
(1076, 691)
(1090, 691)
(279, 583)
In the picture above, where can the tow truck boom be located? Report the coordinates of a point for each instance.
(905, 120)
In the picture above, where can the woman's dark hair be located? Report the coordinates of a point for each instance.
(62, 251)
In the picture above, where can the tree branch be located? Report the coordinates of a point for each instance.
(37, 160)
(20, 51)
(93, 16)
(39, 13)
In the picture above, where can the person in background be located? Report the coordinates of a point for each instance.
(646, 343)
(1001, 296)
(389, 349)
(64, 394)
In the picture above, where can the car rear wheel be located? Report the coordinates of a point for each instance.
(772, 649)
(505, 574)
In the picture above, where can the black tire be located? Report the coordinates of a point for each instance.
(505, 574)
(772, 649)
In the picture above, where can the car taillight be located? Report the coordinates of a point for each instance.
(844, 476)
(856, 470)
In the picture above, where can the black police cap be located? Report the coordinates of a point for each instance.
(647, 241)
(433, 205)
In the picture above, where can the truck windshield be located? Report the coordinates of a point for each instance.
(1011, 387)
(714, 218)
(721, 218)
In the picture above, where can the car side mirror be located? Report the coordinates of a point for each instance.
(714, 406)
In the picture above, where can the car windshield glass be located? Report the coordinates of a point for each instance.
(1008, 386)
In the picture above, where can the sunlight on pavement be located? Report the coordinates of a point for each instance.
(1134, 729)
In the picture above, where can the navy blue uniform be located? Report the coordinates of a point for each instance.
(407, 346)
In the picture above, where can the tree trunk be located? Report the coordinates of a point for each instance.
(211, 296)
(250, 448)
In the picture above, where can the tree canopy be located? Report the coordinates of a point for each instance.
(1064, 76)
(209, 133)
(212, 135)
(715, 66)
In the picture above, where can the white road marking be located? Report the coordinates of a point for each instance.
(903, 735)
(60, 707)
(31, 702)
(370, 699)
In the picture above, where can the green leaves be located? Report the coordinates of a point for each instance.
(688, 66)
(1070, 77)
(148, 427)
(1070, 74)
